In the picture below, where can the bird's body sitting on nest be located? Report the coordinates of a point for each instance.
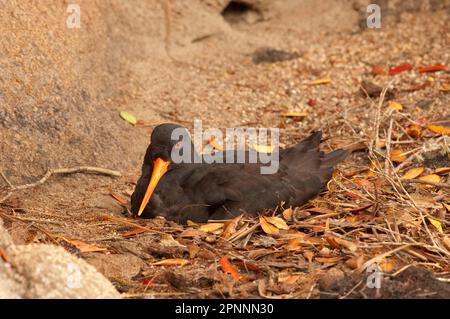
(217, 191)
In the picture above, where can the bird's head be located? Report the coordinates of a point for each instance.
(168, 144)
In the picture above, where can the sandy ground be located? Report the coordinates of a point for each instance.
(61, 90)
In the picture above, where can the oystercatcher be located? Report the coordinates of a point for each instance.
(201, 191)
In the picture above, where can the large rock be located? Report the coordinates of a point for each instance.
(47, 271)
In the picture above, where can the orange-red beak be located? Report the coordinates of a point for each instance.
(160, 167)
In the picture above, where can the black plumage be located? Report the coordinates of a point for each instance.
(202, 192)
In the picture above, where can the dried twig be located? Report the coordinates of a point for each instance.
(50, 172)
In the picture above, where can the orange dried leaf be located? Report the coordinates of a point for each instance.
(378, 69)
(337, 242)
(84, 247)
(134, 232)
(171, 262)
(447, 207)
(413, 173)
(231, 227)
(193, 250)
(414, 130)
(277, 222)
(211, 227)
(268, 227)
(309, 255)
(446, 242)
(287, 214)
(118, 198)
(386, 265)
(320, 210)
(191, 232)
(355, 262)
(294, 244)
(395, 106)
(429, 178)
(397, 156)
(400, 69)
(445, 87)
(442, 170)
(288, 279)
(320, 81)
(3, 255)
(295, 114)
(328, 260)
(439, 129)
(228, 268)
(432, 68)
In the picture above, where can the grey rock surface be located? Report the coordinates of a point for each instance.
(47, 271)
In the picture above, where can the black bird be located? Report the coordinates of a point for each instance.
(202, 191)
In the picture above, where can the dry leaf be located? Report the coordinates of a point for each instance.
(119, 199)
(429, 178)
(446, 242)
(192, 232)
(287, 214)
(294, 114)
(128, 117)
(82, 246)
(338, 243)
(447, 207)
(379, 70)
(294, 244)
(372, 169)
(328, 260)
(395, 106)
(308, 255)
(277, 222)
(171, 262)
(355, 262)
(231, 227)
(193, 250)
(397, 156)
(227, 267)
(268, 227)
(3, 255)
(211, 227)
(432, 68)
(442, 170)
(288, 279)
(191, 223)
(134, 232)
(414, 130)
(247, 265)
(360, 208)
(400, 69)
(436, 224)
(168, 241)
(413, 173)
(439, 129)
(386, 265)
(320, 210)
(320, 81)
(445, 87)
